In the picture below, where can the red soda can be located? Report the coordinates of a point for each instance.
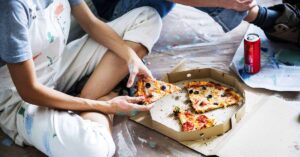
(252, 53)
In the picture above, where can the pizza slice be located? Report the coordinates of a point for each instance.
(208, 95)
(191, 122)
(154, 90)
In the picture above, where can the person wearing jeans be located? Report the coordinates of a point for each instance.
(280, 22)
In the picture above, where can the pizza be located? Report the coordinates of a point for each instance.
(208, 95)
(154, 90)
(192, 122)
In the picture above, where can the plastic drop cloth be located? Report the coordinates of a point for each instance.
(187, 33)
(280, 65)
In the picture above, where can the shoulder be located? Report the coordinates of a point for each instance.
(13, 7)
(14, 4)
(14, 10)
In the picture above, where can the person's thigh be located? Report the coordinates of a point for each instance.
(140, 25)
(163, 7)
(228, 19)
(62, 133)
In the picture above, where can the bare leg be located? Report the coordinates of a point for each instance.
(108, 73)
(252, 14)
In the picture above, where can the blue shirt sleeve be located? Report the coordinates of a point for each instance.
(75, 2)
(14, 27)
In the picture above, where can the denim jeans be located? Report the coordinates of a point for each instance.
(228, 19)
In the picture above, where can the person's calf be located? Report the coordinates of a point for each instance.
(89, 90)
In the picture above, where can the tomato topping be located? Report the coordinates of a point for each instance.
(196, 102)
(187, 126)
(202, 119)
(203, 103)
(188, 114)
(219, 87)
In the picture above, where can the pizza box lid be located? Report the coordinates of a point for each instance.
(164, 121)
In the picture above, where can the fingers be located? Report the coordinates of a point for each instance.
(246, 5)
(135, 99)
(245, 1)
(132, 76)
(141, 107)
(148, 73)
(137, 69)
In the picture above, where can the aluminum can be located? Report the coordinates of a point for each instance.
(252, 53)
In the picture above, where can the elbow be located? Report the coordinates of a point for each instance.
(26, 97)
(29, 94)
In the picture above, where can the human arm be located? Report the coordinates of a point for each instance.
(105, 35)
(31, 91)
(238, 5)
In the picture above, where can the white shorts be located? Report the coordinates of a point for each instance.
(65, 134)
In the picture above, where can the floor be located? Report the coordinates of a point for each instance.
(205, 47)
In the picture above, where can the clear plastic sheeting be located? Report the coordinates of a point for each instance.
(133, 139)
(187, 27)
(280, 65)
(191, 35)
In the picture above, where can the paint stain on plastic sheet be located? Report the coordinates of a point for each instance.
(150, 143)
(7, 142)
(288, 58)
(121, 113)
(134, 112)
(125, 146)
(244, 74)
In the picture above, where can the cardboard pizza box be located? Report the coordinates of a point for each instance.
(226, 145)
(162, 116)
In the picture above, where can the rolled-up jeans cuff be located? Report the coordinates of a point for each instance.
(227, 18)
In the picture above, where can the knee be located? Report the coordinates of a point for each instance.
(151, 26)
(94, 143)
(89, 139)
(154, 17)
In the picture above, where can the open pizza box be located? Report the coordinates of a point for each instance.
(247, 130)
(162, 119)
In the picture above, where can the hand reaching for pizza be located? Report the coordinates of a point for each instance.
(126, 104)
(137, 68)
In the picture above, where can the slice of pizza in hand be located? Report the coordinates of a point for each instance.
(207, 95)
(191, 122)
(154, 90)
